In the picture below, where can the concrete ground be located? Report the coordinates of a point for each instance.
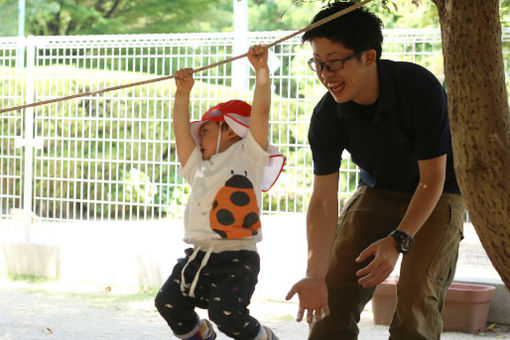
(57, 310)
(122, 256)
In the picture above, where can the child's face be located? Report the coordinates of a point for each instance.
(209, 139)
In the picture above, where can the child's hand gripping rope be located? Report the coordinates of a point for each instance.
(184, 80)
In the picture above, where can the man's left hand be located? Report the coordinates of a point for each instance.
(385, 257)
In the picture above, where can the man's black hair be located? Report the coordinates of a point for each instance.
(357, 30)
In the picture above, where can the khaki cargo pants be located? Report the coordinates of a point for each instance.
(425, 273)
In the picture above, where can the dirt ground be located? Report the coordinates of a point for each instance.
(58, 310)
(74, 310)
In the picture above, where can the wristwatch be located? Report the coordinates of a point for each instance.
(404, 241)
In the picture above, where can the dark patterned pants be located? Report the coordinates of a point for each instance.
(224, 288)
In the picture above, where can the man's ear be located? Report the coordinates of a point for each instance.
(370, 57)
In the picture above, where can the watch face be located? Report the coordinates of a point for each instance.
(405, 244)
(404, 241)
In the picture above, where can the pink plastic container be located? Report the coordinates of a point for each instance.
(466, 306)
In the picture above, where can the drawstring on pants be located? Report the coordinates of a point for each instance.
(194, 283)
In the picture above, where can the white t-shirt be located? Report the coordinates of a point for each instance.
(225, 198)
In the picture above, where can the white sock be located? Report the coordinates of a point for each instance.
(262, 334)
(205, 330)
(192, 332)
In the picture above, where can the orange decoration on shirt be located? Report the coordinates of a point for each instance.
(235, 213)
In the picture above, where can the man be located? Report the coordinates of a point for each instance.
(392, 118)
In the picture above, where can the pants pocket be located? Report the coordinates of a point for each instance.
(346, 207)
(443, 264)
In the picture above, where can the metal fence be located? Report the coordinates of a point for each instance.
(112, 156)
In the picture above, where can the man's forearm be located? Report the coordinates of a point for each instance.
(321, 230)
(420, 208)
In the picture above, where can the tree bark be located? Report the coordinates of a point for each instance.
(479, 119)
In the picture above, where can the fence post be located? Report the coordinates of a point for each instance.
(240, 68)
(29, 136)
(20, 54)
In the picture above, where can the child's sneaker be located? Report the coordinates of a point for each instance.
(206, 331)
(270, 334)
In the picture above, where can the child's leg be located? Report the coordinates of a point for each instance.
(177, 310)
(233, 276)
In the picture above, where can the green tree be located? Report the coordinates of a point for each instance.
(280, 15)
(9, 22)
(424, 15)
(70, 17)
(408, 13)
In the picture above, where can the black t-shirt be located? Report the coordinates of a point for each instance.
(409, 122)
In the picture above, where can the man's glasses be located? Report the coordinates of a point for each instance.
(331, 65)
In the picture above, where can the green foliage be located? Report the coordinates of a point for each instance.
(113, 156)
(412, 13)
(9, 22)
(280, 15)
(399, 13)
(71, 17)
(406, 14)
(97, 152)
(32, 279)
(103, 297)
(11, 157)
(138, 187)
(172, 197)
(504, 11)
(93, 144)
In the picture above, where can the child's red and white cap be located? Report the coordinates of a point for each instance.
(236, 113)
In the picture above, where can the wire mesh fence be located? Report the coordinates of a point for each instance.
(112, 156)
(12, 85)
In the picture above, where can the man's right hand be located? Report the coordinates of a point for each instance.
(313, 297)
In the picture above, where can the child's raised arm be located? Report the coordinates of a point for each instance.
(185, 144)
(259, 121)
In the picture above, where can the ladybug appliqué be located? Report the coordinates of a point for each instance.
(235, 213)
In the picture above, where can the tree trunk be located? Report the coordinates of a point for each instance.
(480, 119)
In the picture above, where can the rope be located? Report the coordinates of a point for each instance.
(148, 81)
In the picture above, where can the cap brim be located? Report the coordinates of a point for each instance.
(273, 168)
(195, 130)
(239, 124)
